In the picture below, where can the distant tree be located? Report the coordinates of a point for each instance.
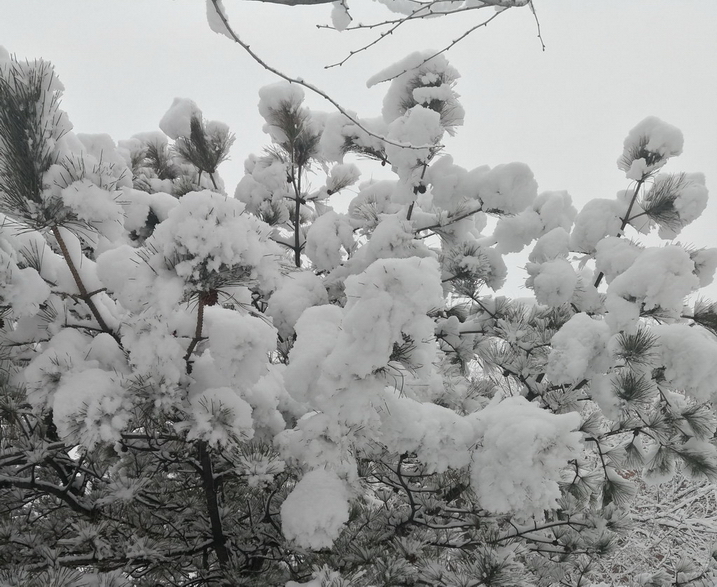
(206, 390)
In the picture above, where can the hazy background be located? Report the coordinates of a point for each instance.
(564, 111)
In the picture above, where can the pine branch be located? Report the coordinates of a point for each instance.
(84, 294)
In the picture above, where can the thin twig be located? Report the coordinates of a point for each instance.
(309, 86)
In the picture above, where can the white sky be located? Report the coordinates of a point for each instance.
(564, 111)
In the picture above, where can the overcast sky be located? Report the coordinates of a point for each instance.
(564, 111)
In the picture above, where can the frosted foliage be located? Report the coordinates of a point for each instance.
(102, 149)
(155, 353)
(513, 233)
(614, 256)
(419, 79)
(690, 200)
(553, 282)
(419, 126)
(445, 179)
(211, 235)
(648, 146)
(316, 510)
(552, 245)
(218, 416)
(705, 261)
(597, 219)
(659, 278)
(579, 350)
(519, 455)
(50, 122)
(329, 235)
(94, 204)
(689, 356)
(214, 18)
(239, 344)
(292, 386)
(509, 188)
(316, 332)
(340, 17)
(296, 292)
(555, 209)
(176, 121)
(342, 175)
(274, 98)
(440, 437)
(387, 303)
(23, 289)
(89, 407)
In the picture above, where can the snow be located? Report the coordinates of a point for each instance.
(689, 199)
(437, 435)
(96, 206)
(155, 353)
(553, 282)
(579, 350)
(340, 16)
(316, 510)
(445, 179)
(653, 138)
(614, 256)
(418, 78)
(219, 415)
(386, 303)
(23, 289)
(555, 209)
(327, 237)
(342, 175)
(274, 98)
(597, 219)
(176, 121)
(513, 233)
(520, 452)
(507, 188)
(420, 127)
(552, 245)
(705, 261)
(689, 357)
(296, 292)
(215, 12)
(659, 278)
(89, 407)
(212, 238)
(240, 344)
(316, 333)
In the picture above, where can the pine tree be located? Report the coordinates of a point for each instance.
(200, 389)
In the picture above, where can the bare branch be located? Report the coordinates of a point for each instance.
(311, 87)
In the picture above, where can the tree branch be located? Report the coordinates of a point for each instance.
(313, 88)
(210, 493)
(84, 294)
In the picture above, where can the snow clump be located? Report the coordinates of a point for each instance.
(177, 120)
(648, 146)
(316, 510)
